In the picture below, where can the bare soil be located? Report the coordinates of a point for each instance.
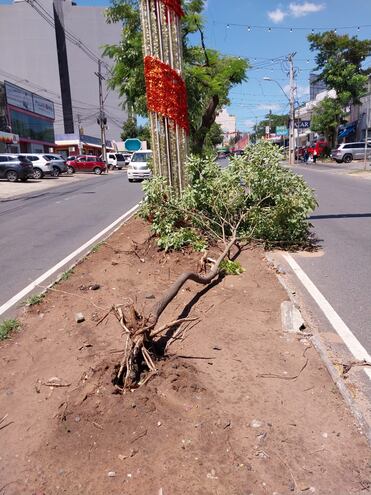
(237, 408)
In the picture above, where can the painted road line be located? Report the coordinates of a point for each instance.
(24, 292)
(341, 328)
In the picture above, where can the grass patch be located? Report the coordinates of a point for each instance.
(8, 326)
(66, 275)
(97, 247)
(35, 299)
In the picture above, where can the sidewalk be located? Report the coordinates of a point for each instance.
(11, 190)
(239, 406)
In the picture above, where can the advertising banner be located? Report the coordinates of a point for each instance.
(18, 97)
(282, 130)
(302, 124)
(42, 106)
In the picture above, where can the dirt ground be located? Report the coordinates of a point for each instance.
(237, 408)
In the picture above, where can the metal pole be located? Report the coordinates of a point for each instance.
(292, 111)
(102, 117)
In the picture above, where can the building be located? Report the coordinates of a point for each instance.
(52, 47)
(315, 86)
(28, 118)
(228, 125)
(360, 116)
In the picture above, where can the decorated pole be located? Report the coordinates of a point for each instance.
(165, 87)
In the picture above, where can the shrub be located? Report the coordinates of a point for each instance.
(263, 200)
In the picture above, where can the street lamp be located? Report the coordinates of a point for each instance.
(291, 100)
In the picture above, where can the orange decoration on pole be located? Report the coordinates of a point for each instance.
(166, 92)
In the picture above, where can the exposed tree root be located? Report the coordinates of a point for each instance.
(141, 332)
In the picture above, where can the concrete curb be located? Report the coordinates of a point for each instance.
(291, 308)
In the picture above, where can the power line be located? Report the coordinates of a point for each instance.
(291, 29)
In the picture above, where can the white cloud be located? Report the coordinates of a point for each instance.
(249, 124)
(277, 15)
(301, 91)
(269, 106)
(302, 9)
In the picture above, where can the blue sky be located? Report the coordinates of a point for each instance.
(253, 99)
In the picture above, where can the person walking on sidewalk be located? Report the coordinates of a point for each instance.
(306, 155)
(315, 154)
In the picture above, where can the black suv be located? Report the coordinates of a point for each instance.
(14, 167)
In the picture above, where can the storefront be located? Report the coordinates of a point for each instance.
(73, 144)
(31, 117)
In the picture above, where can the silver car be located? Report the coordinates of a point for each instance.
(42, 166)
(347, 152)
(139, 168)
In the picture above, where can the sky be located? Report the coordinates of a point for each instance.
(264, 30)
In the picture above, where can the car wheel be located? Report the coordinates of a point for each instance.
(70, 170)
(97, 171)
(56, 172)
(11, 175)
(348, 158)
(38, 173)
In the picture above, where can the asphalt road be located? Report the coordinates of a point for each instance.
(39, 230)
(342, 223)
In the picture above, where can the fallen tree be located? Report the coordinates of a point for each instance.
(252, 199)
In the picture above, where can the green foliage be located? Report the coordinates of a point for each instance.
(214, 137)
(231, 267)
(326, 117)
(66, 275)
(130, 129)
(209, 75)
(254, 196)
(273, 120)
(8, 326)
(35, 299)
(95, 249)
(339, 59)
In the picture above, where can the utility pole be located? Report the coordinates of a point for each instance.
(292, 110)
(102, 120)
(79, 124)
(270, 123)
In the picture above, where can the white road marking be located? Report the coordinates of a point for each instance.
(349, 339)
(24, 292)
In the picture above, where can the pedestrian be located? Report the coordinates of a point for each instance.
(306, 155)
(315, 154)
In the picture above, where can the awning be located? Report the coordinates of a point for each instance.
(347, 129)
(9, 138)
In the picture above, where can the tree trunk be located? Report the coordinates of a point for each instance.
(208, 119)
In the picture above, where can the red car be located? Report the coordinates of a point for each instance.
(86, 163)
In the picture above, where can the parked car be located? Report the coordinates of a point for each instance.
(86, 163)
(42, 166)
(138, 168)
(59, 164)
(115, 160)
(14, 167)
(347, 152)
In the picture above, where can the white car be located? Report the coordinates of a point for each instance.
(43, 165)
(138, 168)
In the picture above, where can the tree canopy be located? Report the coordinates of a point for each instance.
(209, 75)
(339, 61)
(272, 120)
(326, 117)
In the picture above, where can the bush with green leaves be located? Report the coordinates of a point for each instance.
(254, 198)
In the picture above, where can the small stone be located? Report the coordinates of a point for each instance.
(133, 452)
(325, 435)
(150, 296)
(79, 317)
(77, 419)
(114, 262)
(111, 474)
(255, 423)
(159, 423)
(122, 457)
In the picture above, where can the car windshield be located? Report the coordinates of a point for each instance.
(141, 157)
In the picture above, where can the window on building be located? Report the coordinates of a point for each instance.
(32, 127)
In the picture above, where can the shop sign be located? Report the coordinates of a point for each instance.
(133, 144)
(282, 130)
(302, 124)
(21, 98)
(42, 106)
(18, 97)
(9, 138)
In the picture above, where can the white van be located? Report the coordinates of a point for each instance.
(116, 160)
(138, 168)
